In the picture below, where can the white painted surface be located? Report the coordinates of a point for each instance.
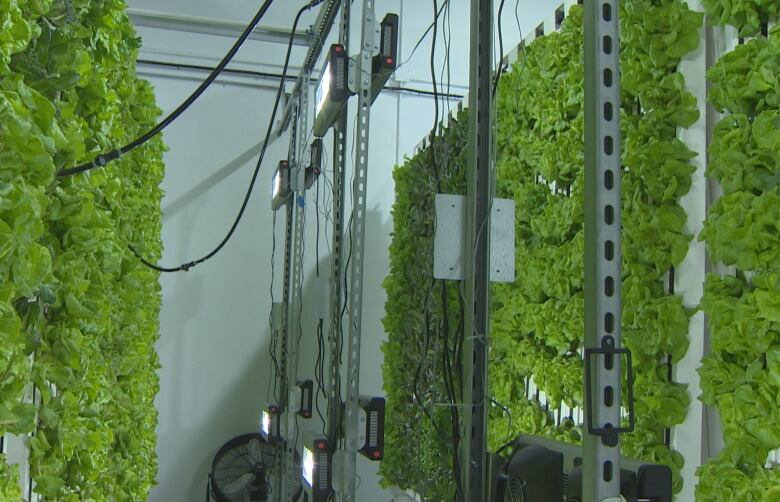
(689, 437)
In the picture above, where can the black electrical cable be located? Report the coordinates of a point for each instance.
(272, 345)
(501, 67)
(319, 367)
(420, 364)
(346, 302)
(188, 265)
(319, 372)
(424, 35)
(435, 93)
(104, 158)
(454, 412)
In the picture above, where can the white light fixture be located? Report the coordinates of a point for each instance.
(332, 90)
(385, 63)
(316, 468)
(281, 185)
(308, 466)
(315, 163)
(270, 421)
(372, 433)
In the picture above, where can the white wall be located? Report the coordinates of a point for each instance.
(214, 324)
(214, 327)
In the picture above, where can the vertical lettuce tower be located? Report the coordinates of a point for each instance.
(78, 314)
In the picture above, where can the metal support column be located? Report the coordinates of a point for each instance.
(601, 476)
(298, 107)
(280, 474)
(293, 287)
(298, 204)
(479, 200)
(348, 464)
(337, 267)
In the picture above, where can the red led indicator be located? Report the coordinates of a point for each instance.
(389, 61)
(376, 454)
(321, 445)
(339, 48)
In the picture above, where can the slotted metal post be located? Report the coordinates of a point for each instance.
(601, 475)
(281, 474)
(293, 270)
(479, 200)
(348, 463)
(337, 268)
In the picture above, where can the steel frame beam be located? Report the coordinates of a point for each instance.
(601, 476)
(347, 486)
(298, 106)
(479, 200)
(337, 267)
(205, 26)
(285, 328)
(297, 211)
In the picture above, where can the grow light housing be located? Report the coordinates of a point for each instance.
(270, 422)
(332, 89)
(385, 63)
(315, 164)
(306, 399)
(281, 185)
(372, 421)
(316, 468)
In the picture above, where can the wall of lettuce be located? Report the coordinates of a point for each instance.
(79, 313)
(537, 321)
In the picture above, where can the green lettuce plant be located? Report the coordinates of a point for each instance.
(741, 375)
(745, 15)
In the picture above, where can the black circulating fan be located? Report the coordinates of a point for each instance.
(242, 469)
(543, 470)
(533, 474)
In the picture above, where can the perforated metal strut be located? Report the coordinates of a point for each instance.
(297, 210)
(601, 475)
(337, 270)
(347, 481)
(479, 199)
(281, 474)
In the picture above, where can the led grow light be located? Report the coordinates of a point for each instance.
(270, 421)
(308, 466)
(372, 420)
(332, 90)
(306, 398)
(315, 164)
(385, 63)
(316, 468)
(281, 185)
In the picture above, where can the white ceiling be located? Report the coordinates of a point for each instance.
(279, 15)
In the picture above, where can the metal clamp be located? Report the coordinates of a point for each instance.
(609, 433)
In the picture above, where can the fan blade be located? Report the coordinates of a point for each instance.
(255, 452)
(239, 485)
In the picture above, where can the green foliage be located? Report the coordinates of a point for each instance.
(537, 321)
(9, 483)
(741, 376)
(423, 316)
(746, 15)
(737, 473)
(71, 294)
